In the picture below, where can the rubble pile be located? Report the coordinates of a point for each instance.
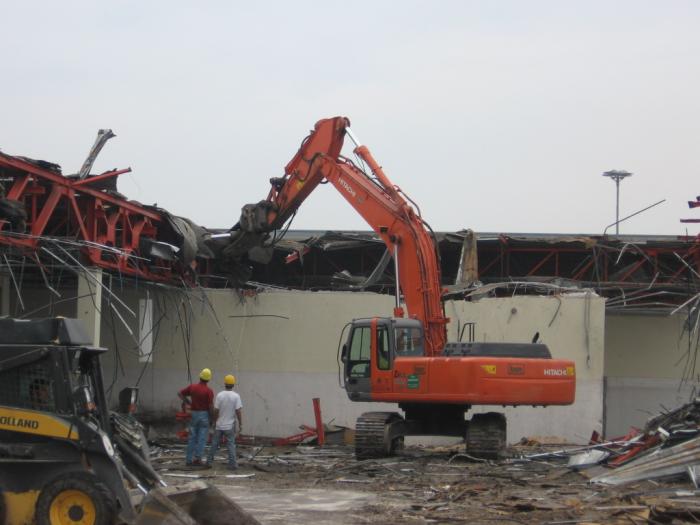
(647, 476)
(669, 445)
(433, 485)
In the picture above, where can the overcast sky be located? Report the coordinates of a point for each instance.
(491, 115)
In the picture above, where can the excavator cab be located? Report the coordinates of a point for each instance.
(374, 351)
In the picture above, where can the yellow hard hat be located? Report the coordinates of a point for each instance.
(230, 379)
(205, 374)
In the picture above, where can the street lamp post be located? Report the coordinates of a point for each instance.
(617, 176)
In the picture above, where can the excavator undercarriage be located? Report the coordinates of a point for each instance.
(380, 434)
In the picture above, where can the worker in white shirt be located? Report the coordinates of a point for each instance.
(227, 411)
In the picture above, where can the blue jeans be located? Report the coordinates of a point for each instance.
(199, 431)
(230, 443)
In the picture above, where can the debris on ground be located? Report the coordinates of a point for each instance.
(669, 445)
(534, 484)
(650, 475)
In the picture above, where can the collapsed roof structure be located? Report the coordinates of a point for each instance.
(49, 219)
(649, 274)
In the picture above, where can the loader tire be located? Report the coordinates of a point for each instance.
(75, 499)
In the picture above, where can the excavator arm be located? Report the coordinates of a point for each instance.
(380, 203)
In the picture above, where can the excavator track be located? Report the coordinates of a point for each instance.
(486, 435)
(374, 437)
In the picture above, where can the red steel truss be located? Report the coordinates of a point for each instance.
(598, 260)
(109, 228)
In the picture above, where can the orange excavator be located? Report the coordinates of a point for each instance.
(406, 359)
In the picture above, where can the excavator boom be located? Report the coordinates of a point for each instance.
(377, 200)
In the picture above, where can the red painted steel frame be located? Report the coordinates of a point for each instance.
(319, 422)
(66, 207)
(296, 438)
(604, 256)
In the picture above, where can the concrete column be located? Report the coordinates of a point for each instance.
(468, 271)
(90, 301)
(5, 285)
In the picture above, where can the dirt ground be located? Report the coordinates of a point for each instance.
(428, 485)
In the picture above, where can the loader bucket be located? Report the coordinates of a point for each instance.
(196, 503)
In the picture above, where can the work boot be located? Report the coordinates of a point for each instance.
(197, 462)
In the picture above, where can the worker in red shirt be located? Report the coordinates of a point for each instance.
(201, 399)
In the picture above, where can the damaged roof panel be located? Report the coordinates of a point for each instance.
(39, 205)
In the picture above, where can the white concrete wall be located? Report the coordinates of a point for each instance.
(282, 346)
(646, 358)
(282, 362)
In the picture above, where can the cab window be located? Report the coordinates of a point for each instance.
(383, 356)
(360, 347)
(409, 342)
(28, 386)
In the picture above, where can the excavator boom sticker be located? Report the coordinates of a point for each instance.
(489, 369)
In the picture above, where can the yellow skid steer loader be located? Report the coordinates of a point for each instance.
(65, 459)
